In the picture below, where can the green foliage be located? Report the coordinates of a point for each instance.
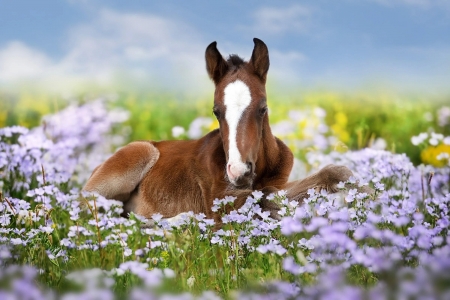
(393, 117)
(357, 118)
(27, 109)
(154, 115)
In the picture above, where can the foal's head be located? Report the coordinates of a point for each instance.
(240, 107)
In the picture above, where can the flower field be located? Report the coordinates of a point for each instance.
(57, 242)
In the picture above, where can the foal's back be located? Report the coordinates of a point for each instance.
(182, 177)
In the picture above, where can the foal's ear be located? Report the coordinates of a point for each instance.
(260, 59)
(215, 64)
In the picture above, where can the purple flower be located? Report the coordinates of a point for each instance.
(289, 226)
(291, 266)
(216, 240)
(351, 195)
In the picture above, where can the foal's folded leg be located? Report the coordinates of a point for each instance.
(120, 174)
(241, 198)
(327, 178)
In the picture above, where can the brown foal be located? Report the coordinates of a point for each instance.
(171, 177)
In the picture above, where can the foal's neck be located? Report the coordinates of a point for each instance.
(268, 149)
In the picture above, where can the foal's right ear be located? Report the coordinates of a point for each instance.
(215, 64)
(260, 59)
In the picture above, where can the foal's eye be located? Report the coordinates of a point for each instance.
(263, 110)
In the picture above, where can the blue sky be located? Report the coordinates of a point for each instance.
(344, 44)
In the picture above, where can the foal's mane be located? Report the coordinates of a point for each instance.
(235, 62)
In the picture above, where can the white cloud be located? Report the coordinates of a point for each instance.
(274, 20)
(137, 42)
(285, 66)
(144, 46)
(137, 47)
(18, 61)
(416, 3)
(159, 51)
(407, 2)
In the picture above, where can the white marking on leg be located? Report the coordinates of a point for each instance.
(237, 98)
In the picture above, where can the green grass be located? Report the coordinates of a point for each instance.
(391, 116)
(367, 116)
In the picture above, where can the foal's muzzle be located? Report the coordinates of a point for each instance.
(240, 174)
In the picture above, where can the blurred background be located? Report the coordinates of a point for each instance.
(379, 69)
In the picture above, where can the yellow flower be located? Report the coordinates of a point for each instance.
(3, 115)
(165, 255)
(340, 126)
(429, 155)
(214, 125)
(341, 119)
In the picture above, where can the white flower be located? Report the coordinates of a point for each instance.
(257, 194)
(443, 156)
(293, 204)
(282, 211)
(197, 126)
(157, 217)
(379, 144)
(177, 131)
(433, 141)
(216, 240)
(127, 252)
(119, 272)
(320, 112)
(16, 241)
(190, 281)
(351, 195)
(419, 139)
(352, 179)
(438, 136)
(46, 229)
(281, 193)
(340, 185)
(271, 197)
(5, 220)
(50, 255)
(169, 273)
(443, 116)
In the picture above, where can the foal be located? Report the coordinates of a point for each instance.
(171, 177)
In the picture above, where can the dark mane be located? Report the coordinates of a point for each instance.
(235, 62)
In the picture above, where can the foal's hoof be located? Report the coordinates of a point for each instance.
(270, 205)
(333, 174)
(148, 224)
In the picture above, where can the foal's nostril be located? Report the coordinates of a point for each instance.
(229, 171)
(249, 169)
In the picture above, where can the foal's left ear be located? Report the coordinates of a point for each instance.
(260, 59)
(216, 66)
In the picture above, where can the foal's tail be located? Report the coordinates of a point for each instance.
(327, 178)
(120, 174)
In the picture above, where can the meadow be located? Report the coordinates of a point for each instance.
(56, 242)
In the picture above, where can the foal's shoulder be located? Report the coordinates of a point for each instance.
(210, 140)
(282, 146)
(286, 157)
(212, 134)
(207, 144)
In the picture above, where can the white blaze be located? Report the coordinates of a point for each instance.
(237, 98)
